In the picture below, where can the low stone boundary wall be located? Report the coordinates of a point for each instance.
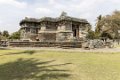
(45, 44)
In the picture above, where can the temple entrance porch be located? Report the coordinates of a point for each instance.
(75, 30)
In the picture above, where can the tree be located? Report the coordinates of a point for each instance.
(5, 34)
(0, 33)
(108, 24)
(90, 35)
(15, 35)
(99, 24)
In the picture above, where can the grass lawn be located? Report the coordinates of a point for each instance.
(58, 65)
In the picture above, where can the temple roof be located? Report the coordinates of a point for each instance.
(63, 16)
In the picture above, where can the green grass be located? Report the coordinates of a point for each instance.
(58, 65)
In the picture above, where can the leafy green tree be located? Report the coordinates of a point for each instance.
(108, 25)
(90, 35)
(97, 35)
(0, 33)
(5, 34)
(15, 35)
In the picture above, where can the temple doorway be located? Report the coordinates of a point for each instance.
(75, 30)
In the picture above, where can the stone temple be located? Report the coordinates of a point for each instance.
(62, 28)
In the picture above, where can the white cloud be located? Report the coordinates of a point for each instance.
(43, 10)
(14, 3)
(115, 1)
(51, 1)
(0, 22)
(88, 9)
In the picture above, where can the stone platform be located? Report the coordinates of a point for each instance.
(45, 44)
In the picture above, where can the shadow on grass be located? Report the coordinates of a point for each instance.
(32, 69)
(23, 52)
(26, 51)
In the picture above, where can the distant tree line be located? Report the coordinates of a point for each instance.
(5, 35)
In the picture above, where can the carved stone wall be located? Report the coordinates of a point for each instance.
(64, 36)
(47, 36)
(29, 31)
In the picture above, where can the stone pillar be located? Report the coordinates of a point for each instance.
(80, 30)
(83, 31)
(41, 32)
(25, 24)
(43, 27)
(58, 27)
(63, 26)
(70, 30)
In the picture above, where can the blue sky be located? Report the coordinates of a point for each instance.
(12, 11)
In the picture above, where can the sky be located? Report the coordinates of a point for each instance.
(13, 11)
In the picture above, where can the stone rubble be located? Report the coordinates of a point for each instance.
(92, 44)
